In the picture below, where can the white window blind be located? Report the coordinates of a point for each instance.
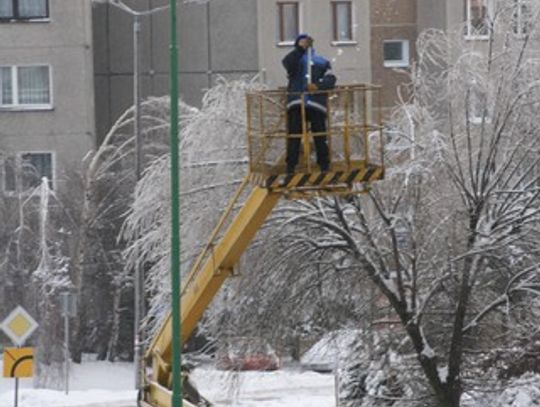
(6, 8)
(33, 85)
(478, 12)
(24, 9)
(25, 86)
(342, 18)
(288, 21)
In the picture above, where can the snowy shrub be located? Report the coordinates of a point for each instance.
(213, 162)
(522, 392)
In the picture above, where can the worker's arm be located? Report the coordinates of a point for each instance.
(292, 60)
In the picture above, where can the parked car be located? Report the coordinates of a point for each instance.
(244, 353)
(325, 355)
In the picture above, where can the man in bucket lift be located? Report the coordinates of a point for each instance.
(307, 72)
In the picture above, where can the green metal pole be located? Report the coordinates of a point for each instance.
(175, 219)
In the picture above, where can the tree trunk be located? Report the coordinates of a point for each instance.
(115, 329)
(79, 273)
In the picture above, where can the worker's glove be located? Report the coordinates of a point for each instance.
(311, 87)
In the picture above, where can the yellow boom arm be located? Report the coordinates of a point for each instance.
(204, 283)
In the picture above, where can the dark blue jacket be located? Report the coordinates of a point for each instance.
(296, 64)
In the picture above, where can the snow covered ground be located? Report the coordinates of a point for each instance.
(103, 384)
(95, 384)
(283, 388)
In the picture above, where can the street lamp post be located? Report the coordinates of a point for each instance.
(175, 194)
(138, 275)
(138, 300)
(176, 398)
(137, 94)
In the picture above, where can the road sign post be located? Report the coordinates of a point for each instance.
(18, 362)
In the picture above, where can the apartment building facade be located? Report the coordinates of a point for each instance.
(217, 38)
(46, 90)
(66, 66)
(340, 30)
(248, 37)
(366, 40)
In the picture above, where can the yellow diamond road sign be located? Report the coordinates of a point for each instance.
(19, 325)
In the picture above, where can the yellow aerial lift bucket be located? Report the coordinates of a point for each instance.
(354, 134)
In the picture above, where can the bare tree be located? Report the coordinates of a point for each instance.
(108, 182)
(450, 238)
(35, 265)
(213, 162)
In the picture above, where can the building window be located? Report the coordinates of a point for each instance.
(396, 53)
(288, 21)
(522, 17)
(342, 21)
(25, 171)
(479, 112)
(24, 9)
(478, 109)
(477, 13)
(25, 87)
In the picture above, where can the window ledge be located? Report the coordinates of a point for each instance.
(476, 37)
(26, 108)
(338, 43)
(24, 20)
(285, 44)
(479, 120)
(396, 64)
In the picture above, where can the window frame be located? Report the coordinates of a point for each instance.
(281, 41)
(405, 61)
(520, 24)
(469, 35)
(16, 17)
(18, 158)
(16, 106)
(333, 11)
(479, 110)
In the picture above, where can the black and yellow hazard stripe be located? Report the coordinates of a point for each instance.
(318, 179)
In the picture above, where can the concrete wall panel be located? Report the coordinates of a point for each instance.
(192, 39)
(431, 14)
(100, 18)
(394, 12)
(233, 30)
